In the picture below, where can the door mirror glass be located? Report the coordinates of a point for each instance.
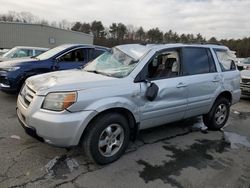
(151, 92)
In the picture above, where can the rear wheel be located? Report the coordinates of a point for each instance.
(107, 138)
(218, 115)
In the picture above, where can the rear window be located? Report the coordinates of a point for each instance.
(226, 59)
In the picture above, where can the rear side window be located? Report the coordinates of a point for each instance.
(226, 59)
(94, 53)
(38, 52)
(197, 61)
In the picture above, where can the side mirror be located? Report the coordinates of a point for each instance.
(151, 92)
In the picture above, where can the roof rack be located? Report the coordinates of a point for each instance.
(206, 43)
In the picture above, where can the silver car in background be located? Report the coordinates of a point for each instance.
(21, 52)
(245, 82)
(130, 88)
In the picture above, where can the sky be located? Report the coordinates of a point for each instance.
(219, 18)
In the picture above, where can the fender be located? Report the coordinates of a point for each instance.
(115, 102)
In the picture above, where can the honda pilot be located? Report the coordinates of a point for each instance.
(127, 89)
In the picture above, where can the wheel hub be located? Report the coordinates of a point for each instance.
(111, 140)
(221, 114)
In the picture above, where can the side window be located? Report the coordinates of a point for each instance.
(164, 65)
(226, 59)
(197, 61)
(23, 53)
(38, 52)
(73, 56)
(94, 53)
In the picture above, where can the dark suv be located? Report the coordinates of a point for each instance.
(69, 56)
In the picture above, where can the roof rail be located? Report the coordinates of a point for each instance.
(211, 43)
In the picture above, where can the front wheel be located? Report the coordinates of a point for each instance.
(107, 138)
(218, 115)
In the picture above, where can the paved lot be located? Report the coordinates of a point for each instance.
(175, 155)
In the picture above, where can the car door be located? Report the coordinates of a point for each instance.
(72, 59)
(170, 104)
(202, 79)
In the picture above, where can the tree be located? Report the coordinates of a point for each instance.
(121, 31)
(77, 26)
(113, 30)
(199, 38)
(97, 29)
(170, 37)
(140, 33)
(85, 28)
(155, 35)
(213, 40)
(131, 32)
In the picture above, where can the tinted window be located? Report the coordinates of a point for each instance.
(72, 56)
(226, 59)
(38, 52)
(196, 61)
(94, 53)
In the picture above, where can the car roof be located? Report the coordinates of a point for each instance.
(138, 50)
(83, 45)
(31, 47)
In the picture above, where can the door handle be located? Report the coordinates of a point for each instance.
(179, 85)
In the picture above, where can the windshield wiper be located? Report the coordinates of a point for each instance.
(34, 57)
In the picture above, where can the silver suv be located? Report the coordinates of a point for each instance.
(130, 88)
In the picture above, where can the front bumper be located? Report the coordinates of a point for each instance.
(29, 130)
(245, 89)
(63, 129)
(6, 85)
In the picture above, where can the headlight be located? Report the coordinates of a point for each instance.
(11, 68)
(59, 101)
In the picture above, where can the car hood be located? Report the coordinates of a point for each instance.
(16, 62)
(245, 74)
(68, 80)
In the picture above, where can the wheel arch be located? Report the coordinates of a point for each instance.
(225, 94)
(133, 125)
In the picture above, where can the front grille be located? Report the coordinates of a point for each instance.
(27, 95)
(245, 80)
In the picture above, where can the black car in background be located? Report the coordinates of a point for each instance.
(68, 56)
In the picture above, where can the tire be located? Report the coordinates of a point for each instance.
(218, 115)
(102, 143)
